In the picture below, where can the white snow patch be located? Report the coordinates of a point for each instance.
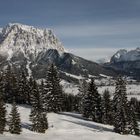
(69, 88)
(73, 62)
(28, 68)
(74, 76)
(105, 76)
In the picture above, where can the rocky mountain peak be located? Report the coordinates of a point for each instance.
(29, 40)
(118, 55)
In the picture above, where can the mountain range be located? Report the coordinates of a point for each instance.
(126, 62)
(34, 49)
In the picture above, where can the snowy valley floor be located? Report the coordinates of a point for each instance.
(65, 126)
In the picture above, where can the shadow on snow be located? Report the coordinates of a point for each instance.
(86, 123)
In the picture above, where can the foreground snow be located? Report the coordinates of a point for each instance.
(66, 126)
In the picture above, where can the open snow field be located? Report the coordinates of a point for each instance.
(65, 126)
(133, 90)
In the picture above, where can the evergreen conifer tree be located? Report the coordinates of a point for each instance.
(82, 92)
(30, 86)
(2, 86)
(24, 90)
(106, 108)
(7, 80)
(38, 115)
(136, 106)
(92, 103)
(14, 88)
(120, 107)
(134, 127)
(2, 114)
(14, 120)
(53, 94)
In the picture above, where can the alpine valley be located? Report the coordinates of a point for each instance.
(34, 49)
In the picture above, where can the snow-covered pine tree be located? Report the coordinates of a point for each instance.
(120, 108)
(97, 116)
(82, 92)
(106, 108)
(7, 80)
(134, 127)
(42, 90)
(14, 87)
(2, 85)
(14, 120)
(53, 94)
(30, 85)
(2, 114)
(38, 115)
(36, 100)
(88, 101)
(136, 106)
(23, 90)
(92, 103)
(68, 102)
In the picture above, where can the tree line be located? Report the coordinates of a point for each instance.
(119, 112)
(48, 96)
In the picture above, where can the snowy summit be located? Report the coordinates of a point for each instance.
(124, 55)
(29, 40)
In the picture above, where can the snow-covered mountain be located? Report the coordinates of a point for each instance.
(126, 62)
(33, 49)
(29, 40)
(124, 55)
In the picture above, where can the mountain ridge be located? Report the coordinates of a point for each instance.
(15, 37)
(35, 49)
(124, 55)
(126, 62)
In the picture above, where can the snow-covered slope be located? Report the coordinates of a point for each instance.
(29, 40)
(124, 55)
(65, 126)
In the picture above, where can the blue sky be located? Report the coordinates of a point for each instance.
(89, 28)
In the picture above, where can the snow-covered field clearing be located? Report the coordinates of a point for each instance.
(133, 90)
(65, 126)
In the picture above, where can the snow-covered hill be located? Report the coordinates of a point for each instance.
(65, 126)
